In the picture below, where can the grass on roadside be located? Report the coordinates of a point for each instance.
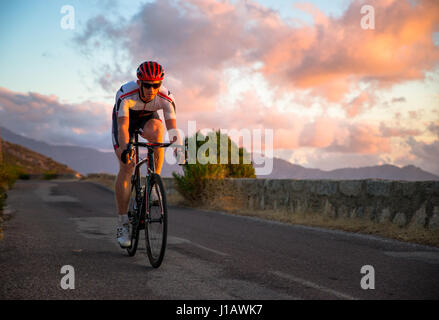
(354, 225)
(9, 173)
(221, 196)
(50, 174)
(104, 179)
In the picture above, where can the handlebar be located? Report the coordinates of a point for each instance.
(151, 145)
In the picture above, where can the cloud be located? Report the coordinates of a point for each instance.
(358, 104)
(434, 128)
(194, 40)
(45, 118)
(361, 139)
(400, 99)
(426, 153)
(295, 131)
(332, 62)
(320, 133)
(387, 131)
(197, 40)
(338, 54)
(330, 160)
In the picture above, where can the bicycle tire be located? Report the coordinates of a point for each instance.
(134, 216)
(156, 222)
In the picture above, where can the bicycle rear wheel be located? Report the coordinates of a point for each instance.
(156, 222)
(134, 216)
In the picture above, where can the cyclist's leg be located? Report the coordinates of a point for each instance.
(122, 193)
(154, 131)
(122, 186)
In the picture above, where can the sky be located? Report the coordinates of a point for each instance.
(335, 89)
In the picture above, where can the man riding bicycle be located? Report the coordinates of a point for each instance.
(136, 106)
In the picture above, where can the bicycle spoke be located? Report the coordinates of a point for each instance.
(156, 229)
(133, 215)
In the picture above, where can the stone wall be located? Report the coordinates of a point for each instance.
(402, 203)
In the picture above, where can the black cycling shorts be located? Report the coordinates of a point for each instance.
(138, 119)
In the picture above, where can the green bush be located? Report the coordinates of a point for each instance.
(9, 174)
(196, 184)
(24, 176)
(3, 197)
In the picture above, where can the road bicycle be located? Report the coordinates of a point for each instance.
(147, 207)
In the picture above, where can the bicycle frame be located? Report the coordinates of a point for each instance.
(143, 217)
(150, 155)
(147, 160)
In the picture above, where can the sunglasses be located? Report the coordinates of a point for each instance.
(147, 85)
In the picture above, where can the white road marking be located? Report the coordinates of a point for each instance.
(313, 285)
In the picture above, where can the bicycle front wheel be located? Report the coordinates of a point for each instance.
(156, 222)
(134, 216)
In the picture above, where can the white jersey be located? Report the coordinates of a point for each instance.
(128, 98)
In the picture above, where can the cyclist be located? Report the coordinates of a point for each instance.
(137, 103)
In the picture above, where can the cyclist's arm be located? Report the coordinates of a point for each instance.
(174, 135)
(123, 124)
(171, 120)
(171, 124)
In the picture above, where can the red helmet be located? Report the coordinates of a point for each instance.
(150, 71)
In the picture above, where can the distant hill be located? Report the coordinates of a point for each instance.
(81, 159)
(32, 162)
(286, 170)
(87, 160)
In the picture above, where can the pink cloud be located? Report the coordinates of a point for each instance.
(196, 40)
(426, 153)
(319, 134)
(293, 131)
(335, 53)
(357, 105)
(45, 118)
(363, 139)
(88, 124)
(387, 131)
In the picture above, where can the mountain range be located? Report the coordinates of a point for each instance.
(31, 162)
(87, 160)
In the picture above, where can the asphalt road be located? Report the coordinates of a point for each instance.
(210, 255)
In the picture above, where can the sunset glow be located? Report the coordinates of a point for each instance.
(335, 95)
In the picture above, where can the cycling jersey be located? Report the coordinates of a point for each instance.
(128, 98)
(129, 104)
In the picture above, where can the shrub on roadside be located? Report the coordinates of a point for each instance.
(201, 182)
(9, 174)
(24, 176)
(3, 197)
(49, 175)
